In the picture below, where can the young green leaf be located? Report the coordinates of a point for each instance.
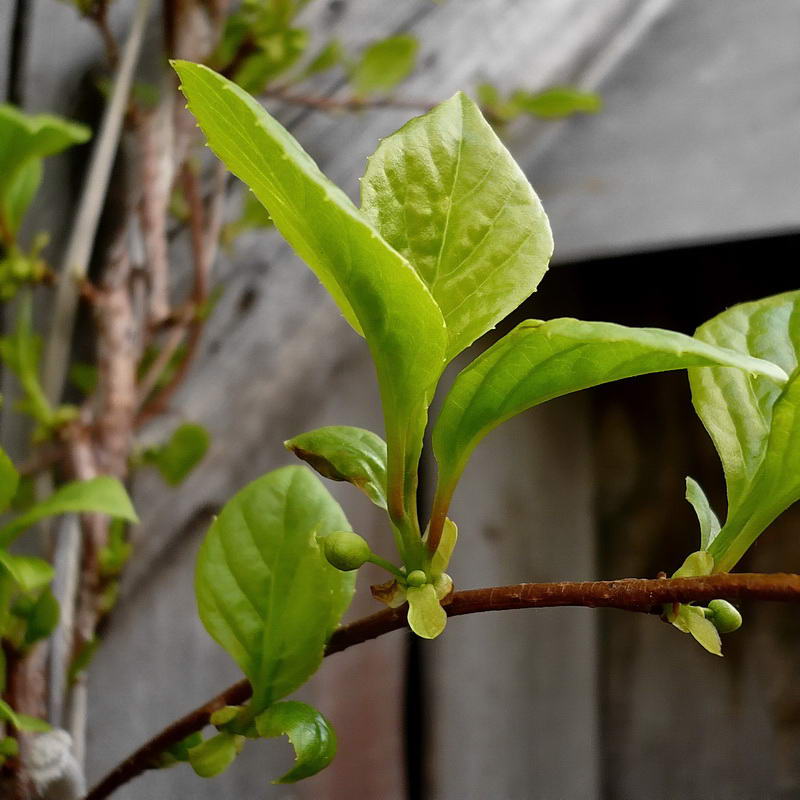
(42, 618)
(180, 454)
(374, 286)
(384, 64)
(22, 722)
(9, 480)
(215, 755)
(753, 423)
(328, 57)
(695, 564)
(25, 140)
(344, 453)
(264, 590)
(539, 361)
(104, 495)
(692, 620)
(311, 735)
(445, 192)
(20, 352)
(555, 102)
(709, 524)
(29, 572)
(426, 617)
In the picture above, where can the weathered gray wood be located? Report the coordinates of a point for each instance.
(697, 139)
(7, 12)
(513, 698)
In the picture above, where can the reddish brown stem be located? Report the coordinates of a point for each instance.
(631, 594)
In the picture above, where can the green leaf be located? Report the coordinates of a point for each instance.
(344, 453)
(328, 57)
(177, 457)
(264, 590)
(311, 735)
(692, 620)
(20, 352)
(753, 423)
(538, 361)
(215, 755)
(426, 617)
(277, 52)
(8, 747)
(557, 101)
(384, 64)
(103, 495)
(24, 140)
(447, 195)
(709, 524)
(374, 286)
(22, 722)
(29, 573)
(9, 480)
(83, 376)
(43, 618)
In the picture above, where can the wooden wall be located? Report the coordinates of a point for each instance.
(547, 704)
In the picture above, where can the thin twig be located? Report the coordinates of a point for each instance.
(631, 594)
(332, 104)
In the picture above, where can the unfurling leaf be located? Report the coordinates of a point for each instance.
(695, 565)
(753, 422)
(538, 361)
(692, 620)
(441, 558)
(344, 453)
(103, 495)
(426, 617)
(215, 755)
(384, 64)
(311, 735)
(709, 524)
(447, 195)
(264, 589)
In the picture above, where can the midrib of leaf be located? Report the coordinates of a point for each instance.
(456, 173)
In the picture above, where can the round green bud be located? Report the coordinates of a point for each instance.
(416, 578)
(726, 618)
(346, 550)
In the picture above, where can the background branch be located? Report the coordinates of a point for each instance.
(630, 594)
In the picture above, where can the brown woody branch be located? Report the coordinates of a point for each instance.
(333, 104)
(630, 594)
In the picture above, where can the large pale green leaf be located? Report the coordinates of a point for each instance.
(25, 140)
(9, 480)
(103, 495)
(344, 453)
(755, 424)
(538, 361)
(445, 192)
(375, 287)
(264, 589)
(311, 735)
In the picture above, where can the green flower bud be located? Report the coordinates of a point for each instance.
(726, 618)
(346, 550)
(417, 578)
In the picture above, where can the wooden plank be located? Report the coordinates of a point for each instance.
(696, 141)
(7, 15)
(511, 701)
